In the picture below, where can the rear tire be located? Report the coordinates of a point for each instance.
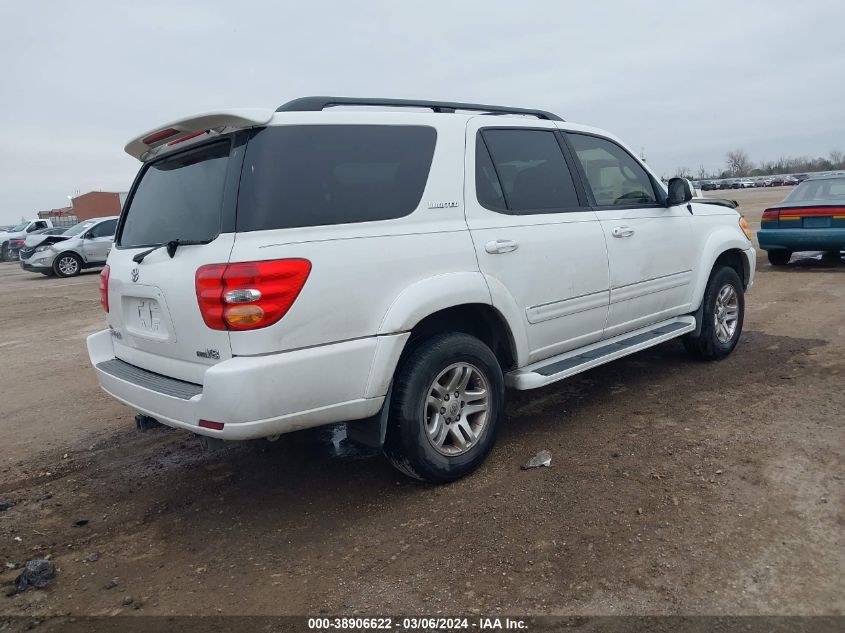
(6, 253)
(431, 434)
(779, 257)
(722, 317)
(67, 265)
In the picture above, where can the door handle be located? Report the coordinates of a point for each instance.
(622, 231)
(497, 247)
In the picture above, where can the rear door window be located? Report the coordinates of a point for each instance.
(178, 197)
(313, 175)
(531, 174)
(104, 229)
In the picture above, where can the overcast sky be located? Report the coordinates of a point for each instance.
(686, 81)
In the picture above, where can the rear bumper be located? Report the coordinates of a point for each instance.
(259, 396)
(802, 239)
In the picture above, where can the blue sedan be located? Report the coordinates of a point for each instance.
(810, 218)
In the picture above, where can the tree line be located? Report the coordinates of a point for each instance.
(738, 164)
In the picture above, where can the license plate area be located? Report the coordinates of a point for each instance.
(817, 223)
(146, 317)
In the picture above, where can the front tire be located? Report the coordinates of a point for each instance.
(722, 317)
(779, 257)
(67, 265)
(448, 397)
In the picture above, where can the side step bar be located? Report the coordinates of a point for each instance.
(574, 362)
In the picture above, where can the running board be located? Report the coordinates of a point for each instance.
(574, 362)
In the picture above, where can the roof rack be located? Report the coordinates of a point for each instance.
(316, 104)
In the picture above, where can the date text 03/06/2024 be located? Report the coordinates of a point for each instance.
(417, 623)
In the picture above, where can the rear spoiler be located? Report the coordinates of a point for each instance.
(144, 146)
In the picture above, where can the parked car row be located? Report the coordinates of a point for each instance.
(66, 252)
(749, 183)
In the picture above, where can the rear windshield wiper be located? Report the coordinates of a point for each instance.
(171, 247)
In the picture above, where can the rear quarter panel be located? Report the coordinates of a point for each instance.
(359, 271)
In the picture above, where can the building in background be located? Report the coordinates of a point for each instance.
(97, 204)
(94, 204)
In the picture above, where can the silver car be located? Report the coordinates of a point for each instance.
(85, 245)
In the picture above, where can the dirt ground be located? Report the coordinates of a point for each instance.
(676, 486)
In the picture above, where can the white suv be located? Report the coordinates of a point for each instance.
(397, 269)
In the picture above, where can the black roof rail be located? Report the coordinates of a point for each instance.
(316, 104)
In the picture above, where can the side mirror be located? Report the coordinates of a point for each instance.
(680, 191)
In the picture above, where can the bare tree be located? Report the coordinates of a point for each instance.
(702, 172)
(683, 172)
(738, 162)
(837, 158)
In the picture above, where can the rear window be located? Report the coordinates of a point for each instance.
(822, 190)
(313, 175)
(178, 197)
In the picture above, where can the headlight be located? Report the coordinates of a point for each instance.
(41, 249)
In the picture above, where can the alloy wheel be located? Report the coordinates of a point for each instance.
(726, 313)
(456, 409)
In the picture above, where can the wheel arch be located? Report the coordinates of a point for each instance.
(459, 301)
(722, 247)
(480, 320)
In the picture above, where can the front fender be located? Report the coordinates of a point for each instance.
(720, 240)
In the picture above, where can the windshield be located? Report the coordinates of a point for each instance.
(76, 229)
(18, 227)
(822, 190)
(178, 197)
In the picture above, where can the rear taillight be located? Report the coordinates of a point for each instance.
(249, 295)
(770, 215)
(104, 288)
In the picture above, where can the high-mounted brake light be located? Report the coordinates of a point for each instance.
(249, 295)
(104, 287)
(187, 137)
(155, 137)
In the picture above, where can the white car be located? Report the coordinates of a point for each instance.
(17, 233)
(746, 184)
(84, 245)
(397, 269)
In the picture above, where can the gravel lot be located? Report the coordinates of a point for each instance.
(676, 486)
